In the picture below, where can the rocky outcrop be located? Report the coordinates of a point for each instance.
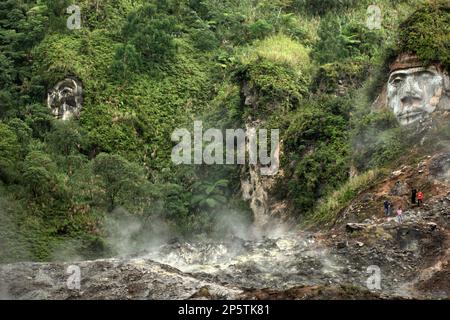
(256, 187)
(400, 189)
(440, 167)
(413, 256)
(352, 227)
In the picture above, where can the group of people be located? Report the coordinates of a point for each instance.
(416, 197)
(389, 207)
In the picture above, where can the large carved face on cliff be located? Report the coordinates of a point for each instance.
(65, 99)
(414, 91)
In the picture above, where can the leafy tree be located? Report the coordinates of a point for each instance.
(120, 179)
(427, 33)
(66, 141)
(66, 138)
(316, 156)
(22, 25)
(205, 39)
(7, 77)
(260, 29)
(278, 86)
(9, 150)
(376, 139)
(176, 202)
(209, 195)
(84, 187)
(40, 174)
(23, 134)
(38, 118)
(341, 38)
(127, 60)
(21, 129)
(57, 14)
(149, 32)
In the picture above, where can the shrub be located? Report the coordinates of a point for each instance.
(279, 49)
(205, 39)
(320, 7)
(376, 140)
(9, 150)
(427, 33)
(349, 74)
(120, 178)
(316, 150)
(341, 38)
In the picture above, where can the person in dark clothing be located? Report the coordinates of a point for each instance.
(390, 208)
(413, 196)
(386, 207)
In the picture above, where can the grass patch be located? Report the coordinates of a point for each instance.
(279, 49)
(327, 210)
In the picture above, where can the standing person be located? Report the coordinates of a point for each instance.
(413, 195)
(400, 215)
(419, 198)
(386, 207)
(390, 208)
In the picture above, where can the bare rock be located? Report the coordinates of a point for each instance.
(400, 189)
(351, 227)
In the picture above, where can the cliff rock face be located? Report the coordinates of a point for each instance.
(257, 188)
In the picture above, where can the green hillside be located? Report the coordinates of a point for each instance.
(149, 67)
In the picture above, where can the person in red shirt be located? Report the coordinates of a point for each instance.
(419, 198)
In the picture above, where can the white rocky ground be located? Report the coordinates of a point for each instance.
(413, 257)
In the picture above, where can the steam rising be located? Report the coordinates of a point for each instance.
(130, 234)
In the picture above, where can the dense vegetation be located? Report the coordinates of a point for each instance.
(427, 33)
(148, 67)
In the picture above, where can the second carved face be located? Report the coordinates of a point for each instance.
(65, 99)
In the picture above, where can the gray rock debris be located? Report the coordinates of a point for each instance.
(106, 279)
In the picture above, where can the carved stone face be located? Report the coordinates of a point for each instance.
(414, 93)
(65, 99)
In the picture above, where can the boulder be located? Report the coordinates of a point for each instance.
(432, 226)
(440, 167)
(341, 245)
(351, 227)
